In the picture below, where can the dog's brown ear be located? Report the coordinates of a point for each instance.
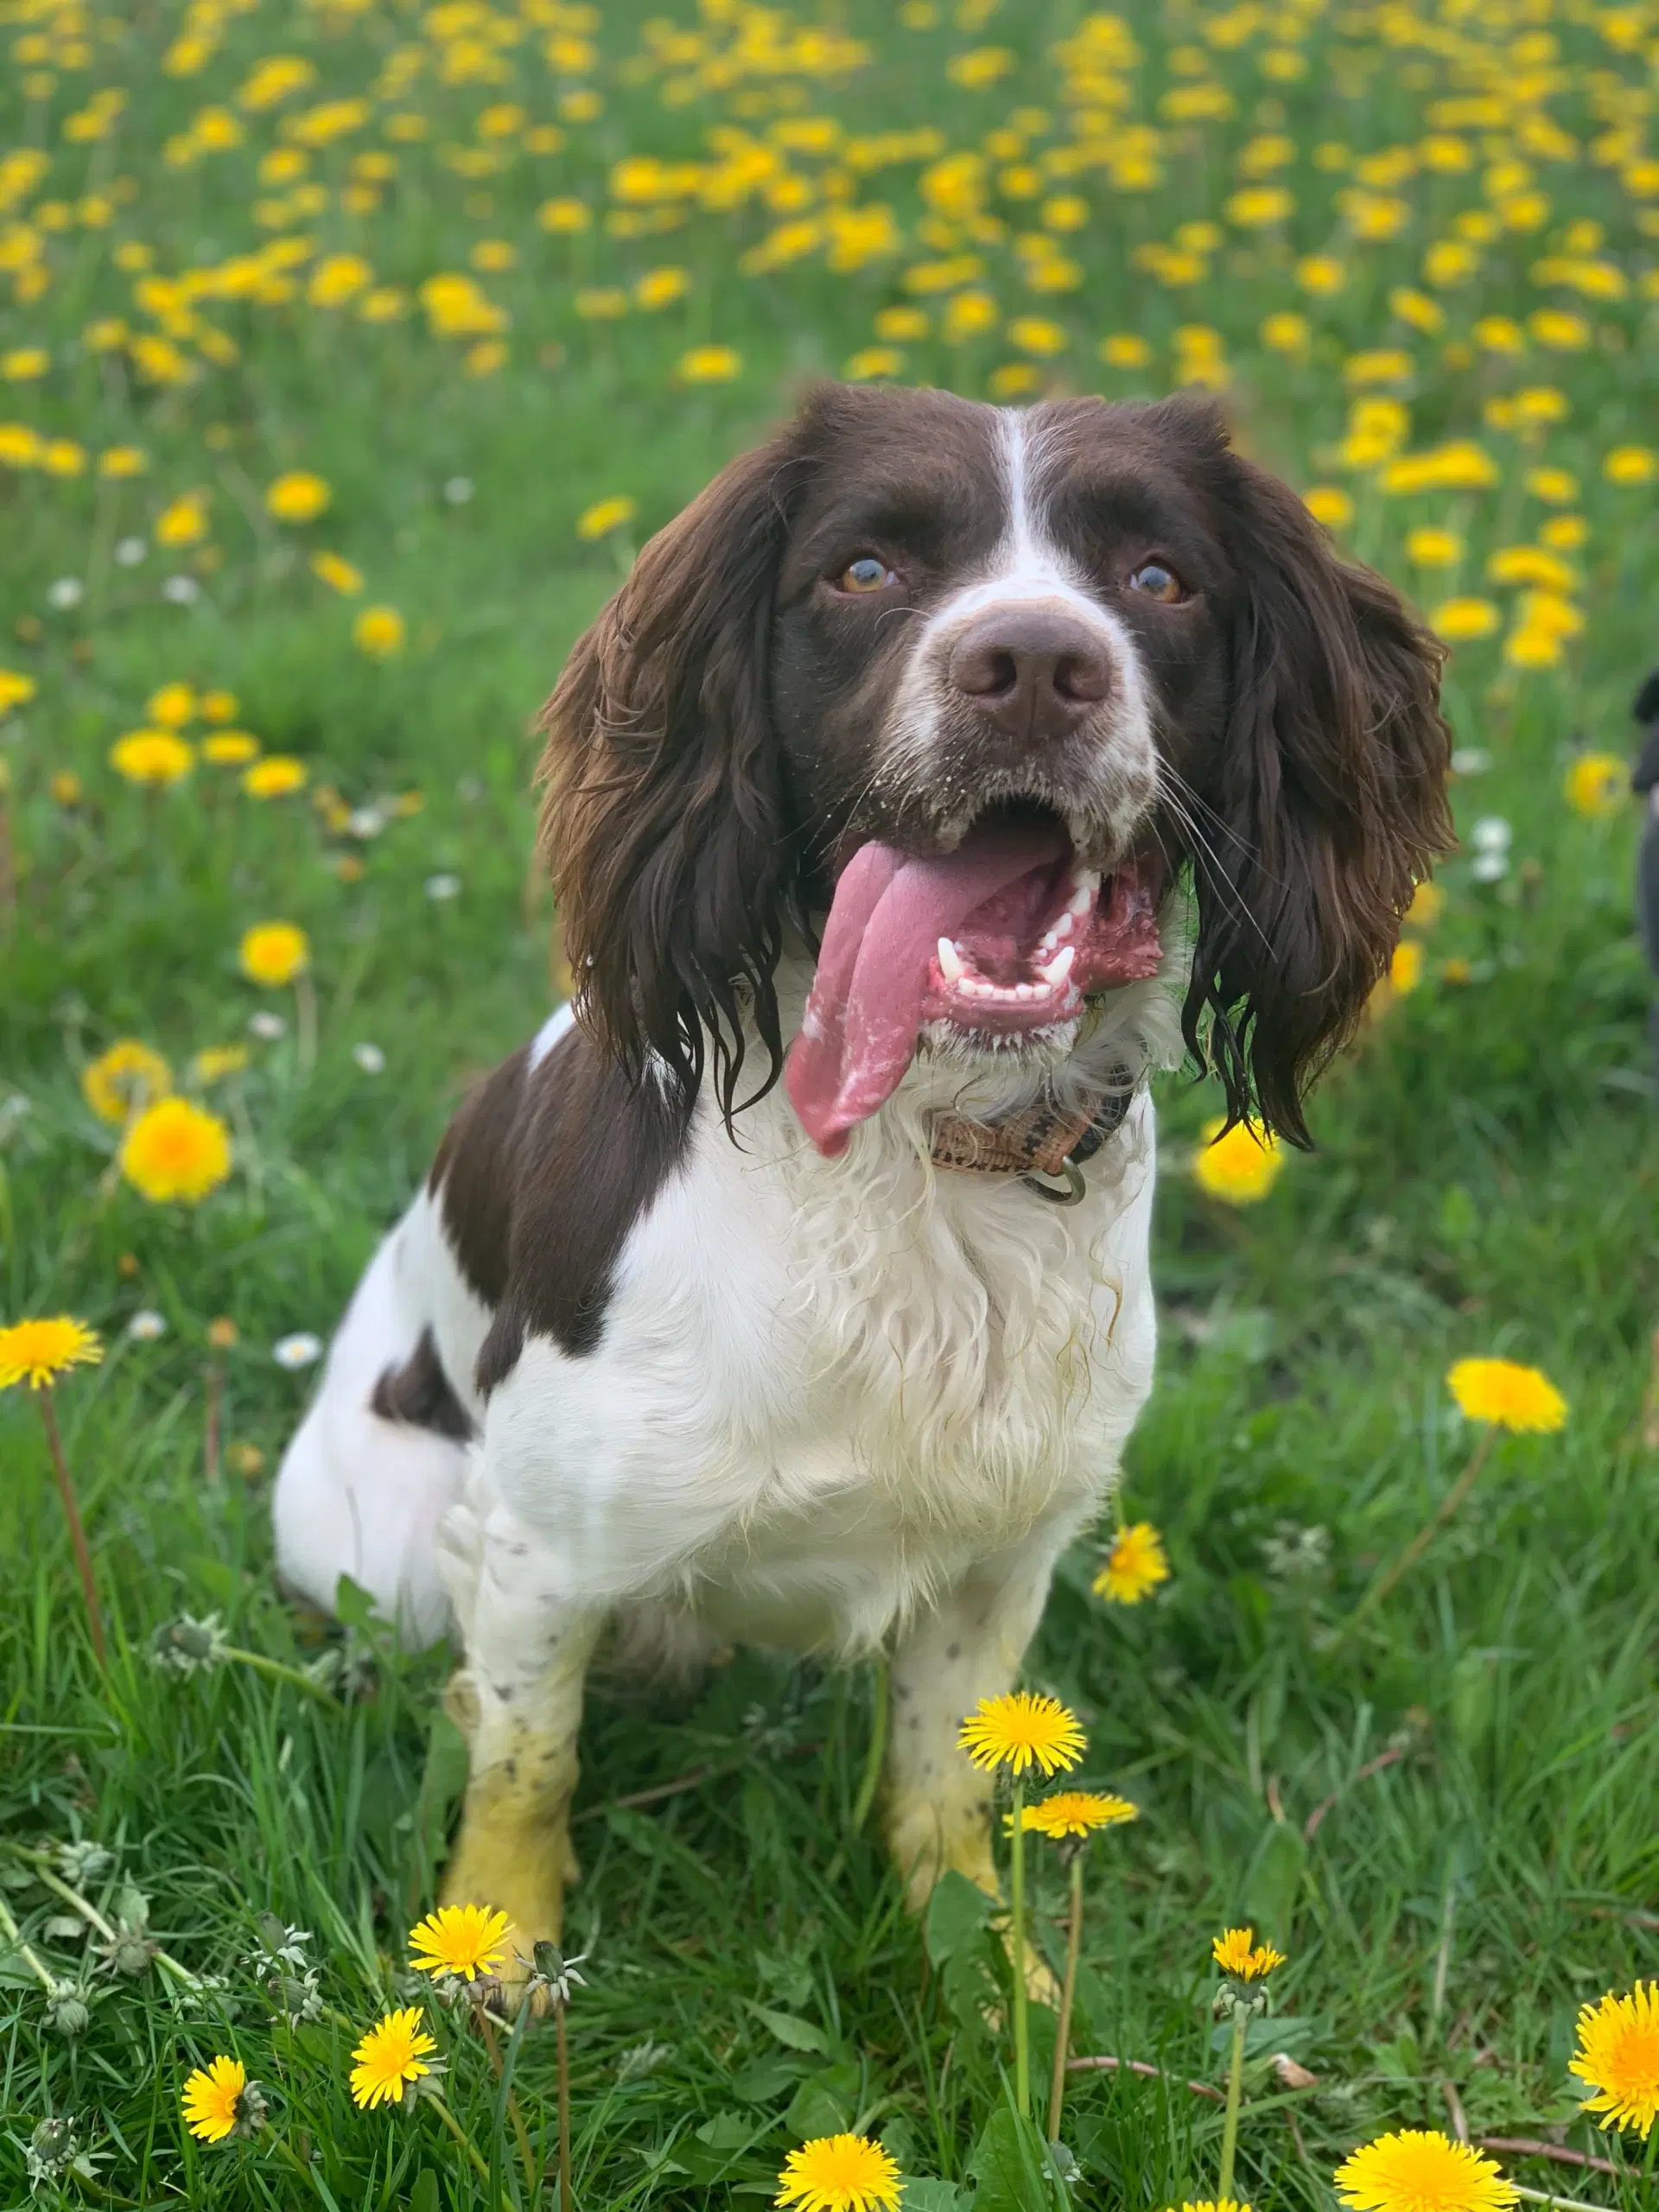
(664, 824)
(1331, 799)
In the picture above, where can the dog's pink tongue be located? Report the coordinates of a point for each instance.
(889, 912)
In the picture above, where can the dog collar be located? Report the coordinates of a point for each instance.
(1041, 1139)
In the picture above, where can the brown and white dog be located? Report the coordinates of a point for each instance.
(888, 772)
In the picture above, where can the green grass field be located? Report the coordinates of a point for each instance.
(478, 271)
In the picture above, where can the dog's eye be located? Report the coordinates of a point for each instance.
(1158, 582)
(866, 574)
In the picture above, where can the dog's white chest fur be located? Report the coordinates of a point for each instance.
(825, 1388)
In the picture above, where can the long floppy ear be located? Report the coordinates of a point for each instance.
(663, 824)
(1331, 794)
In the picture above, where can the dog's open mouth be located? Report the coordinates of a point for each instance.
(1004, 937)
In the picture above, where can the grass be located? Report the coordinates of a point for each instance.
(1447, 1819)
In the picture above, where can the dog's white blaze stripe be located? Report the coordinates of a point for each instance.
(1026, 566)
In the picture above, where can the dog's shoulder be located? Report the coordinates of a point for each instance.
(542, 1174)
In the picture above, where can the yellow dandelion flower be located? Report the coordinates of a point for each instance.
(218, 706)
(337, 573)
(214, 2099)
(1021, 1730)
(1077, 1811)
(16, 689)
(378, 631)
(1597, 784)
(173, 1150)
(153, 757)
(183, 520)
(125, 1075)
(1125, 349)
(1217, 2204)
(274, 953)
(1630, 465)
(1238, 1953)
(214, 1062)
(275, 777)
(1134, 1567)
(1331, 504)
(1405, 968)
(1618, 2057)
(1458, 620)
(463, 1939)
(709, 365)
(1419, 2169)
(392, 2053)
(1430, 548)
(38, 1353)
(173, 706)
(298, 497)
(229, 748)
(1427, 904)
(605, 516)
(839, 2173)
(1238, 1165)
(1507, 1394)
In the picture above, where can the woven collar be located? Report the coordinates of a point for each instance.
(1038, 1140)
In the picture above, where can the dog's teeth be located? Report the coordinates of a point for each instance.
(952, 966)
(1025, 990)
(1055, 972)
(1063, 927)
(1087, 890)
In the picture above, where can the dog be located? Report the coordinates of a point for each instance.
(942, 772)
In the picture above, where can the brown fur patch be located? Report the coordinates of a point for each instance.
(419, 1394)
(542, 1173)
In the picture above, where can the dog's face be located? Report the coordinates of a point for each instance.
(962, 689)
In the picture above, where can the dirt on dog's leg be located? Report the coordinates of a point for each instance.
(521, 1714)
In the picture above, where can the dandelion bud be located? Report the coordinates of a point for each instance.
(67, 2014)
(51, 2150)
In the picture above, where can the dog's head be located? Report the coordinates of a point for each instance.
(958, 692)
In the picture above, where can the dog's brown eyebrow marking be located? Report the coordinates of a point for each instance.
(539, 1179)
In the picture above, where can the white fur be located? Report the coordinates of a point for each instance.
(359, 1495)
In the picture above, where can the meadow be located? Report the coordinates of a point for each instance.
(349, 352)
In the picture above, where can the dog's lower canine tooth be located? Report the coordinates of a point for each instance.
(952, 966)
(1055, 971)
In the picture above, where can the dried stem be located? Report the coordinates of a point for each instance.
(1102, 2062)
(566, 2201)
(77, 1532)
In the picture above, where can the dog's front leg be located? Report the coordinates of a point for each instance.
(518, 1702)
(966, 1647)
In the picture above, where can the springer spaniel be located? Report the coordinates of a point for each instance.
(884, 773)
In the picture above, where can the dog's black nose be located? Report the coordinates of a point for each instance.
(1036, 671)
